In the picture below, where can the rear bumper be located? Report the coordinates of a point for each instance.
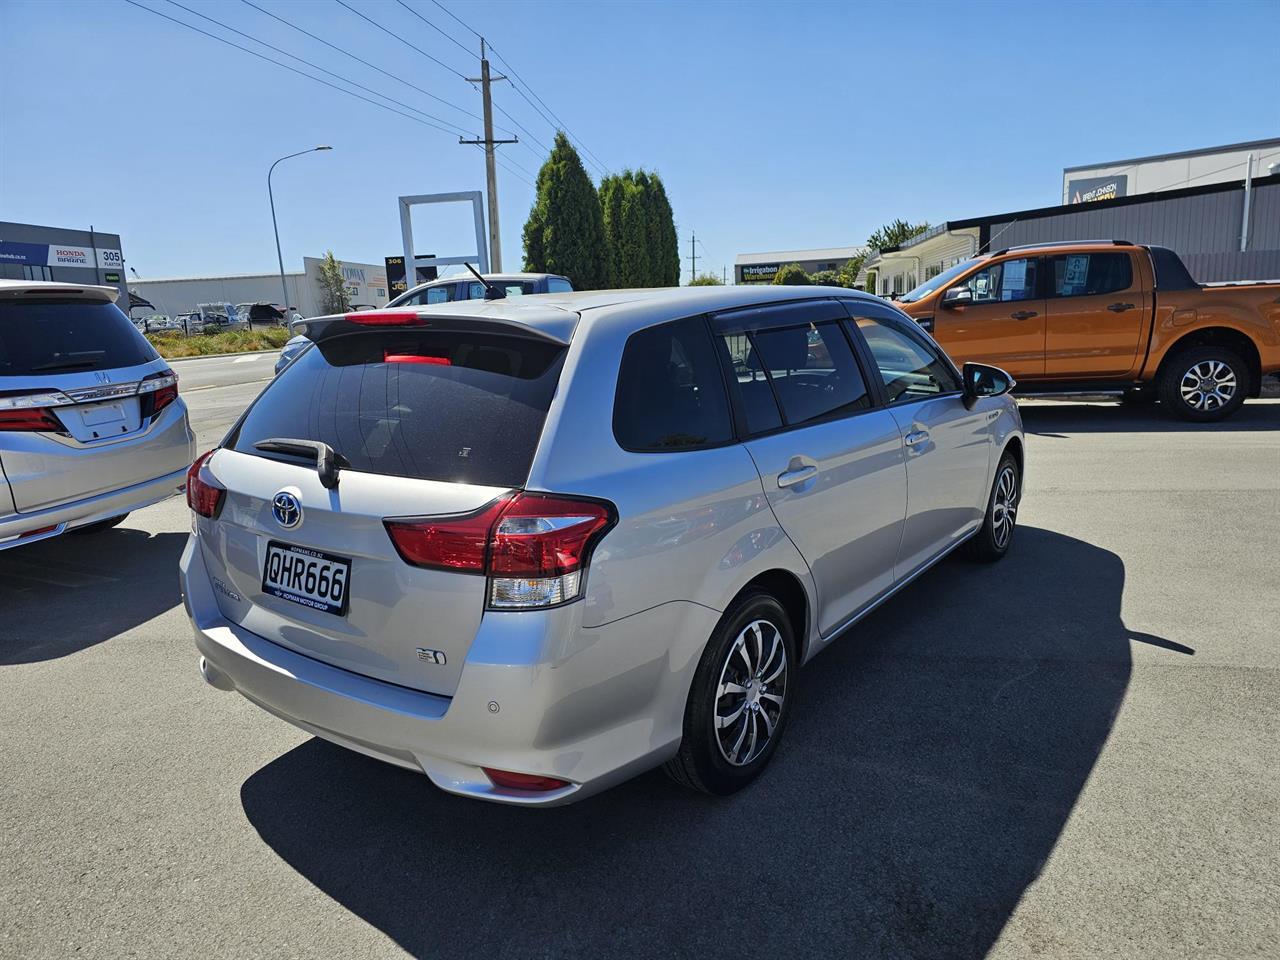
(15, 529)
(538, 694)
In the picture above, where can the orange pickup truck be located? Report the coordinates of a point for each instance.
(1106, 316)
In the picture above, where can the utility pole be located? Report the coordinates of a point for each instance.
(495, 241)
(693, 256)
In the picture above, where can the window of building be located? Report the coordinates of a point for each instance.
(35, 271)
(353, 291)
(1090, 274)
(670, 390)
(382, 291)
(932, 271)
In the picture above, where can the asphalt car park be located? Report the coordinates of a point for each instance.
(1073, 753)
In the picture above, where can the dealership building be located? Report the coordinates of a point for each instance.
(762, 267)
(366, 286)
(32, 252)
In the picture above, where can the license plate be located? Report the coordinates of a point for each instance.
(311, 578)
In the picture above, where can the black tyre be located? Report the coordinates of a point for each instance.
(1203, 383)
(1138, 397)
(741, 696)
(992, 541)
(101, 525)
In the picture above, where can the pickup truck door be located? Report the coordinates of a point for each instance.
(1004, 324)
(1097, 308)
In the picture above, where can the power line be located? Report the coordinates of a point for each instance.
(554, 121)
(390, 33)
(361, 60)
(470, 53)
(315, 66)
(285, 66)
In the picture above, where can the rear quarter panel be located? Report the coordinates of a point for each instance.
(1252, 310)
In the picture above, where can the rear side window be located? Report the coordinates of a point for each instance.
(48, 336)
(458, 407)
(812, 370)
(670, 390)
(556, 285)
(1087, 274)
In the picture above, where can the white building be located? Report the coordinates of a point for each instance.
(761, 267)
(1170, 171)
(366, 285)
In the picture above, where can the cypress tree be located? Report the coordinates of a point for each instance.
(612, 189)
(666, 259)
(565, 230)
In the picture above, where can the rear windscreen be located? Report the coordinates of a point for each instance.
(458, 407)
(47, 336)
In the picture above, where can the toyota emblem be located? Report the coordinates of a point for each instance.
(286, 509)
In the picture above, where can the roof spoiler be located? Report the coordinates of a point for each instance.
(366, 321)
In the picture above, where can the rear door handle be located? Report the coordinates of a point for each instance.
(1024, 314)
(915, 437)
(1120, 307)
(789, 478)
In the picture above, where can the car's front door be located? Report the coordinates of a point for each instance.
(830, 458)
(947, 444)
(1097, 308)
(1004, 322)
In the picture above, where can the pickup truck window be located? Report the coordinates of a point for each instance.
(1005, 281)
(1090, 274)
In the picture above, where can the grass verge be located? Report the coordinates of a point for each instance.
(174, 345)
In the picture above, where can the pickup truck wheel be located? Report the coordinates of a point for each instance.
(1204, 383)
(740, 698)
(992, 540)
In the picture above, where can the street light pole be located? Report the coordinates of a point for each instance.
(271, 196)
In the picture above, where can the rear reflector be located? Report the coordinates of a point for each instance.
(387, 318)
(532, 546)
(204, 494)
(523, 781)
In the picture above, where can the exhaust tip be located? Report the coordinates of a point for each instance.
(215, 677)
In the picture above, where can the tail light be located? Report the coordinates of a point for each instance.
(28, 411)
(157, 391)
(204, 494)
(533, 547)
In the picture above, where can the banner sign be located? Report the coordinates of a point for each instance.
(760, 272)
(60, 255)
(1089, 189)
(395, 276)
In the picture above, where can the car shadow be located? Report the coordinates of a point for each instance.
(930, 766)
(70, 592)
(1059, 418)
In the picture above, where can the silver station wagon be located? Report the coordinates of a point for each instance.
(532, 547)
(91, 424)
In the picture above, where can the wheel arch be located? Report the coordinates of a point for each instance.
(1228, 337)
(786, 587)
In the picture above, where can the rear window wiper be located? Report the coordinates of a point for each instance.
(327, 459)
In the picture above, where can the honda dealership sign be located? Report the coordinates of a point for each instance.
(60, 255)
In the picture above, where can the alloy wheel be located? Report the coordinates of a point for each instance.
(1004, 507)
(1208, 385)
(751, 691)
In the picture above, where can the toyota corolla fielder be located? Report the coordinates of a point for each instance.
(532, 548)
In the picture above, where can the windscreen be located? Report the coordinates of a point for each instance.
(458, 407)
(39, 337)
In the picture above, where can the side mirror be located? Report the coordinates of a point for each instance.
(957, 297)
(981, 380)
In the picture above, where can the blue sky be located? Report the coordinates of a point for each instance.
(774, 125)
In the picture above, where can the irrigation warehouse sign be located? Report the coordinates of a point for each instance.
(60, 255)
(1089, 189)
(760, 272)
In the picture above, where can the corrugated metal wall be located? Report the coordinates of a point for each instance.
(1204, 229)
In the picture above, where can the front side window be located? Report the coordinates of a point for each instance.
(439, 294)
(910, 368)
(670, 391)
(1088, 274)
(1005, 281)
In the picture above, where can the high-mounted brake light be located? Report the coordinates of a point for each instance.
(415, 358)
(26, 411)
(387, 318)
(158, 390)
(532, 546)
(204, 493)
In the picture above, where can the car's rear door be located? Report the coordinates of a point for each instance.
(946, 443)
(1003, 323)
(423, 424)
(1097, 308)
(831, 461)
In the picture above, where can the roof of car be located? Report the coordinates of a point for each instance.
(28, 289)
(455, 278)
